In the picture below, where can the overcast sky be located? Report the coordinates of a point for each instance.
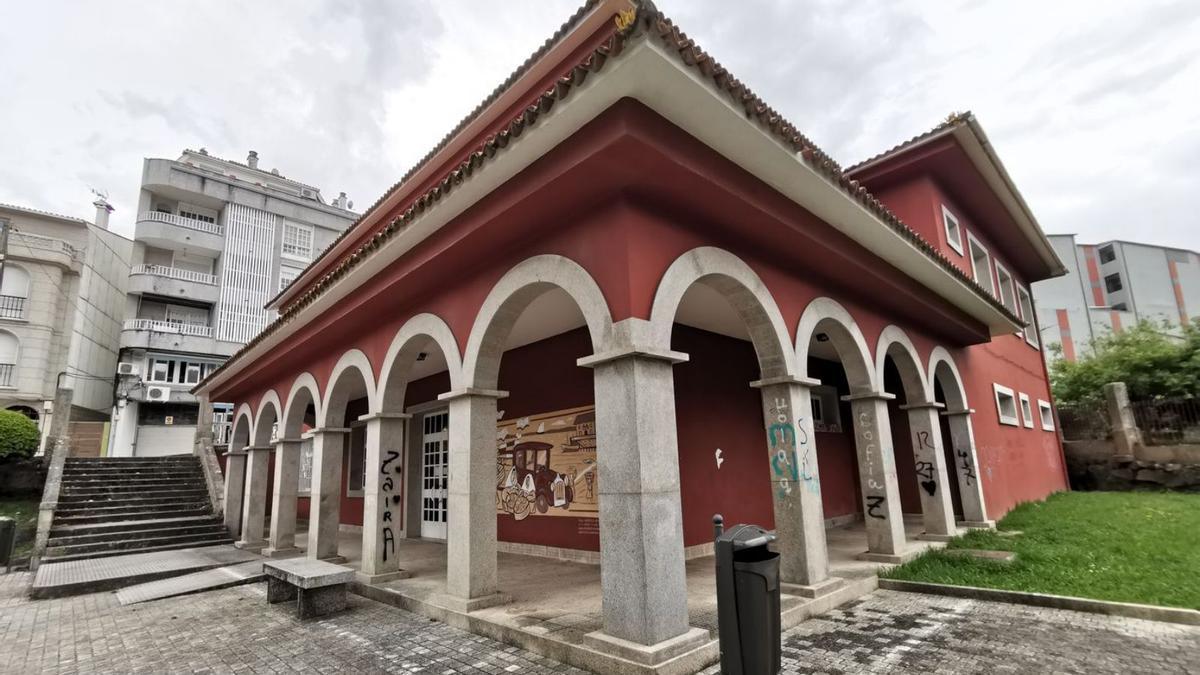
(1094, 106)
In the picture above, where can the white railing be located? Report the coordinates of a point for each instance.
(32, 241)
(222, 433)
(190, 223)
(176, 273)
(197, 329)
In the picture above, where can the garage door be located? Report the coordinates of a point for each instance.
(159, 440)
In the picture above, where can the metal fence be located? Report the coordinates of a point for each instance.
(1084, 422)
(1168, 422)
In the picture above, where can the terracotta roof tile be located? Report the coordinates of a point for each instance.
(953, 120)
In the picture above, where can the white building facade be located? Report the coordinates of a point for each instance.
(1112, 286)
(62, 299)
(214, 241)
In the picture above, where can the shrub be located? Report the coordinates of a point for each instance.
(18, 435)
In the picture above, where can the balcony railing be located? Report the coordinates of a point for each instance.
(12, 307)
(176, 273)
(26, 240)
(190, 223)
(196, 329)
(6, 374)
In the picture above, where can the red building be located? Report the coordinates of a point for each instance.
(624, 295)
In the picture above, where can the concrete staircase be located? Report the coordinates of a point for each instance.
(116, 506)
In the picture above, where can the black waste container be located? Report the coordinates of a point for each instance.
(748, 601)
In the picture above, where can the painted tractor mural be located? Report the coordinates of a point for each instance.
(530, 483)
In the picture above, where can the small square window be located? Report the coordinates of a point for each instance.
(827, 416)
(287, 275)
(1026, 411)
(1047, 415)
(1006, 287)
(1112, 283)
(1026, 304)
(953, 230)
(1006, 405)
(1107, 254)
(981, 265)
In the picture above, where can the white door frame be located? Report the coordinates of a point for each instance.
(435, 460)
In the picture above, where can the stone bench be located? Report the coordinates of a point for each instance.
(318, 587)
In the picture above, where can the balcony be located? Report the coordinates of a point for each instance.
(44, 249)
(169, 231)
(12, 307)
(172, 282)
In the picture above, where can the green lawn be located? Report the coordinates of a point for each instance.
(1126, 546)
(25, 512)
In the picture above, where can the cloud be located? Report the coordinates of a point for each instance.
(1090, 104)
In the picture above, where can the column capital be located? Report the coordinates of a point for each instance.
(237, 453)
(384, 416)
(632, 352)
(259, 448)
(870, 396)
(472, 391)
(958, 411)
(281, 441)
(922, 405)
(311, 433)
(785, 379)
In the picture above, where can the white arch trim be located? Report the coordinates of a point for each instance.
(749, 296)
(819, 310)
(894, 335)
(356, 359)
(243, 412)
(555, 270)
(304, 381)
(421, 325)
(272, 399)
(941, 355)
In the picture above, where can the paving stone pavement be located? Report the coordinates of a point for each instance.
(235, 631)
(893, 632)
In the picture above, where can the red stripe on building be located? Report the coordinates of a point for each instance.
(1093, 268)
(1178, 288)
(1064, 334)
(1116, 321)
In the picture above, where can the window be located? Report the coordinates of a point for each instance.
(1026, 304)
(10, 349)
(297, 241)
(1120, 307)
(196, 216)
(1112, 283)
(953, 230)
(287, 275)
(161, 370)
(306, 467)
(1107, 254)
(827, 416)
(1026, 411)
(1047, 415)
(14, 291)
(192, 372)
(1006, 405)
(356, 475)
(981, 264)
(1006, 288)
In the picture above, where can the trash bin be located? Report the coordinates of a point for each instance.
(747, 601)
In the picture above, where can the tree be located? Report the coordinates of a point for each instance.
(18, 435)
(1150, 361)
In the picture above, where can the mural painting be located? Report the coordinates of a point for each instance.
(546, 465)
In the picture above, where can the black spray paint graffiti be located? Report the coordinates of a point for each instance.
(967, 469)
(874, 504)
(387, 487)
(925, 469)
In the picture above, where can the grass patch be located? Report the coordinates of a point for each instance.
(25, 512)
(1139, 547)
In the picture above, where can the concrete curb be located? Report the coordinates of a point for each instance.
(1126, 609)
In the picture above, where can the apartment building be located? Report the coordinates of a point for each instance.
(214, 241)
(1111, 286)
(62, 299)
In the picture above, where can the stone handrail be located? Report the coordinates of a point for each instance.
(50, 492)
(196, 329)
(181, 221)
(176, 273)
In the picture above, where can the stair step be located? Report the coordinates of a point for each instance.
(59, 553)
(131, 461)
(162, 474)
(147, 549)
(121, 537)
(141, 495)
(121, 488)
(115, 524)
(127, 513)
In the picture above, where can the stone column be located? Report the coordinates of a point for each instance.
(937, 507)
(966, 468)
(254, 503)
(796, 485)
(643, 580)
(877, 475)
(471, 578)
(282, 539)
(324, 509)
(1126, 436)
(383, 493)
(235, 477)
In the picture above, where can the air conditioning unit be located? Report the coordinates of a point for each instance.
(125, 368)
(157, 393)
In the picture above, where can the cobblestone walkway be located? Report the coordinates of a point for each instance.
(891, 632)
(234, 630)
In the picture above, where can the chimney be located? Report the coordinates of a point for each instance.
(103, 208)
(340, 202)
(252, 160)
